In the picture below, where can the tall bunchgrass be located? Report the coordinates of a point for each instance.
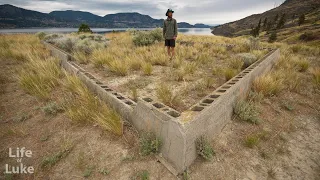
(147, 69)
(82, 106)
(229, 73)
(38, 77)
(101, 57)
(118, 67)
(268, 85)
(166, 95)
(316, 76)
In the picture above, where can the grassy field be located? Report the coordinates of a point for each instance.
(274, 135)
(199, 67)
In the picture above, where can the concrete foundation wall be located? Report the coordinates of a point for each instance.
(208, 118)
(124, 106)
(211, 120)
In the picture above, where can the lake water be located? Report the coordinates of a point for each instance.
(194, 31)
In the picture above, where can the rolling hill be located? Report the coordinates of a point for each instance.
(291, 9)
(15, 17)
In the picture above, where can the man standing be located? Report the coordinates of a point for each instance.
(170, 32)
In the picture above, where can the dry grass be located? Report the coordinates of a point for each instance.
(316, 76)
(83, 106)
(81, 57)
(194, 59)
(118, 67)
(229, 73)
(165, 94)
(267, 85)
(302, 64)
(147, 69)
(40, 75)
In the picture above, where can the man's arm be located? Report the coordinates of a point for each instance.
(175, 28)
(164, 29)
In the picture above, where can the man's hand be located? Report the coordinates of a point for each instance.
(174, 37)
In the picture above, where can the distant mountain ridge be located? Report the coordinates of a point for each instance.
(15, 17)
(291, 8)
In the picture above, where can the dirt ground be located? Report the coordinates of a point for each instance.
(289, 147)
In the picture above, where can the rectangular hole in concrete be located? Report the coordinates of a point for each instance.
(231, 83)
(246, 72)
(203, 104)
(129, 102)
(222, 90)
(197, 108)
(107, 89)
(226, 87)
(235, 80)
(115, 93)
(104, 86)
(120, 97)
(174, 114)
(98, 82)
(147, 99)
(158, 105)
(165, 109)
(208, 101)
(214, 96)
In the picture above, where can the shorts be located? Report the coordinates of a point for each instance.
(170, 42)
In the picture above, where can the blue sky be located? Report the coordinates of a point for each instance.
(192, 11)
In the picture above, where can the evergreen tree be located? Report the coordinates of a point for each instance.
(265, 23)
(84, 28)
(259, 26)
(276, 18)
(273, 37)
(282, 21)
(302, 18)
(269, 26)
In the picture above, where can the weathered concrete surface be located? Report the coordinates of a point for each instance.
(146, 117)
(211, 120)
(121, 104)
(208, 117)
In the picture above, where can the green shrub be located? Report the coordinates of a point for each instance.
(251, 141)
(141, 175)
(145, 38)
(307, 36)
(272, 37)
(52, 108)
(247, 59)
(246, 111)
(41, 35)
(204, 148)
(149, 143)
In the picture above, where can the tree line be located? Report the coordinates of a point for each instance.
(272, 25)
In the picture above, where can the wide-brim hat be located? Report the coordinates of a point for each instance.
(169, 10)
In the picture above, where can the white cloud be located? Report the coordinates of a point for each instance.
(192, 11)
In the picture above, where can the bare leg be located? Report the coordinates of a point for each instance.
(172, 52)
(168, 48)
